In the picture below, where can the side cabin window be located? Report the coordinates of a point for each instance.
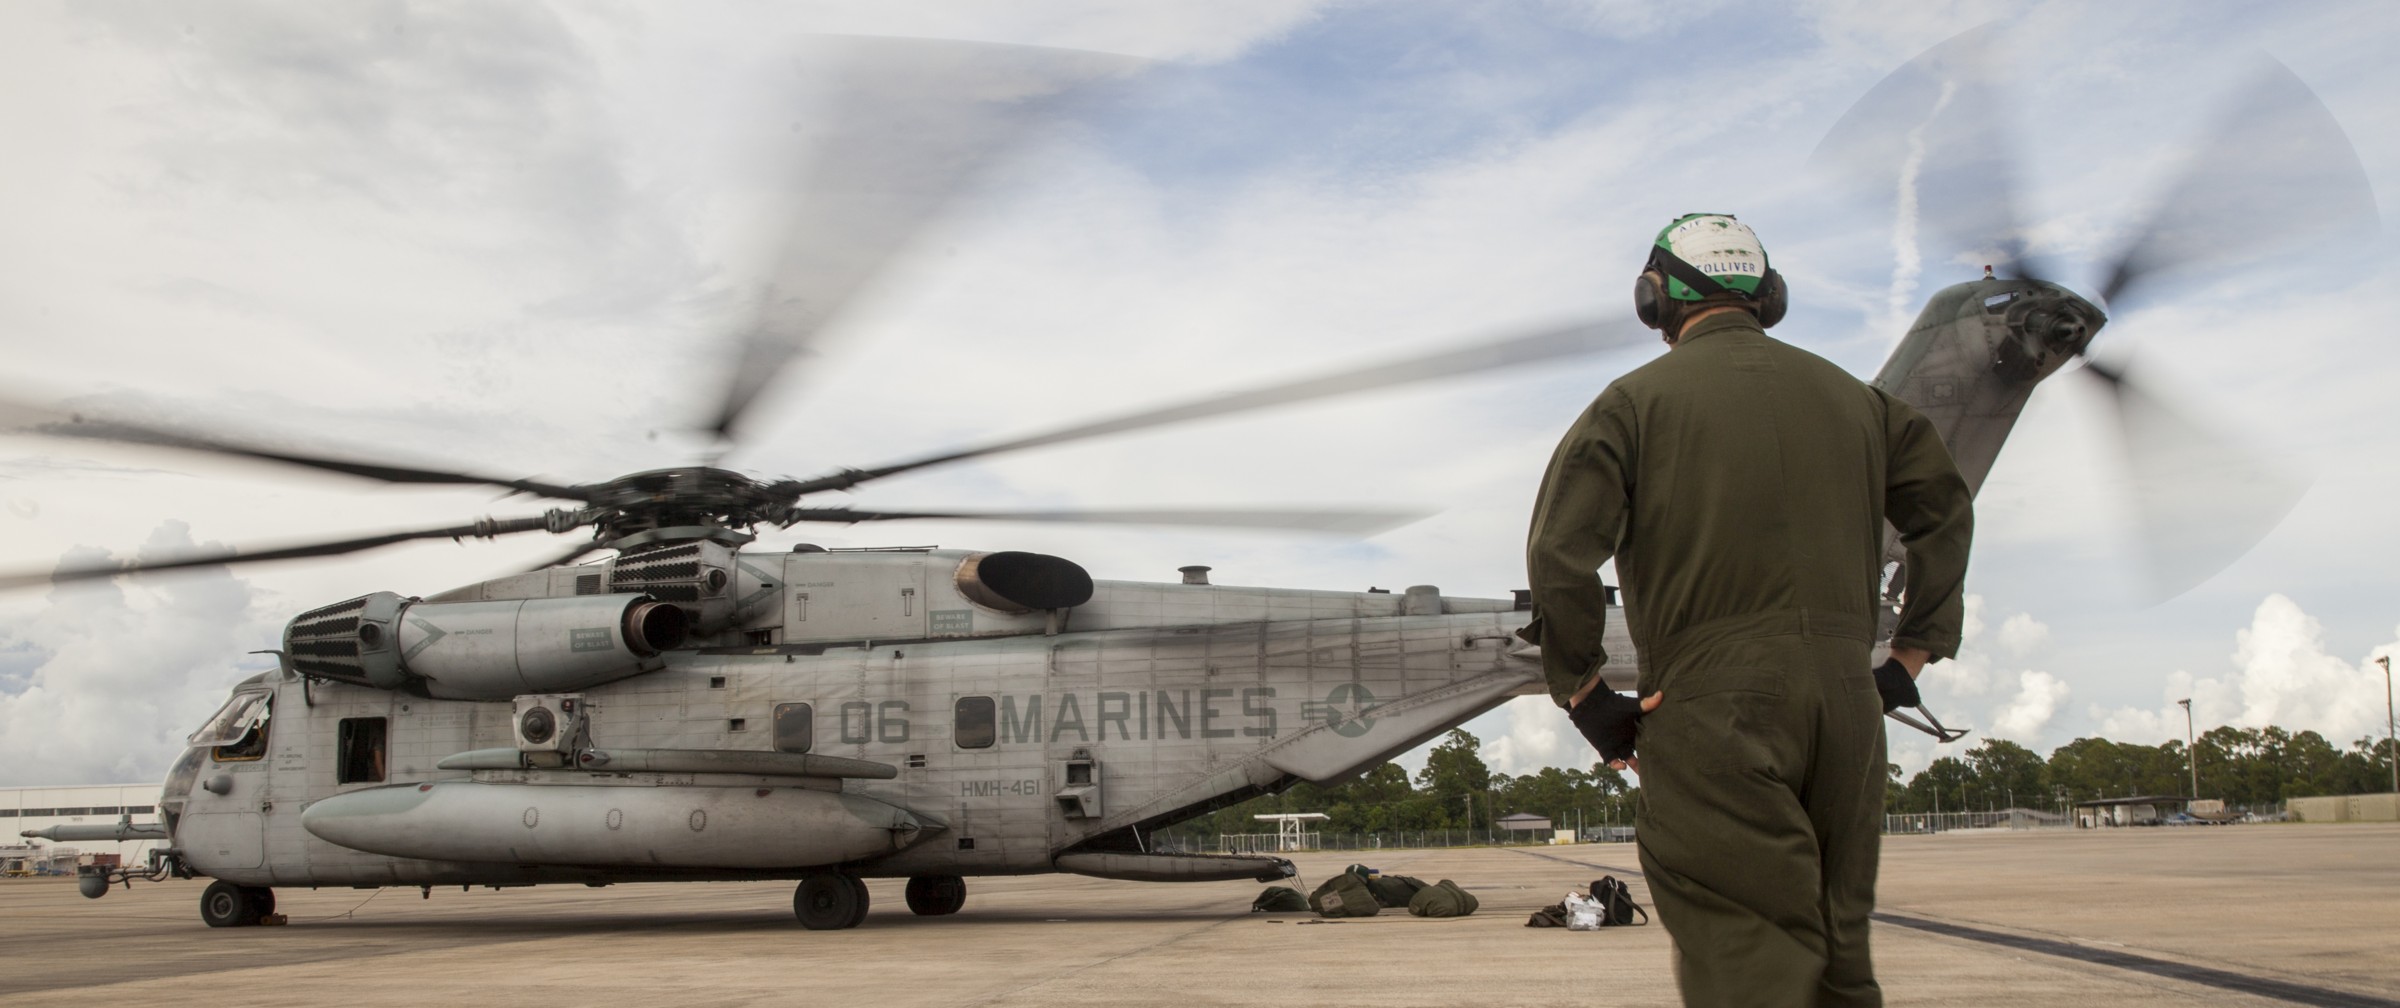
(359, 750)
(238, 731)
(975, 725)
(795, 727)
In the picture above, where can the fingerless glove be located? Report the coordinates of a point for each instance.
(1606, 718)
(1898, 688)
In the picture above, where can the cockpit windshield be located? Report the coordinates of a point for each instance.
(233, 721)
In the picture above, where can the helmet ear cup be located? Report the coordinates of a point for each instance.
(1771, 299)
(1648, 292)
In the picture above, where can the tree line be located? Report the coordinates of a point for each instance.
(1456, 791)
(2245, 767)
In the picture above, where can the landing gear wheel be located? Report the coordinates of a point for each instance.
(936, 895)
(858, 916)
(224, 904)
(262, 898)
(830, 901)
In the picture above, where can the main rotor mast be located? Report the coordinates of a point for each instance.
(681, 504)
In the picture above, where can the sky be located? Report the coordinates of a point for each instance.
(522, 239)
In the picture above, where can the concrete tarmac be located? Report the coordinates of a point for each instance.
(2225, 915)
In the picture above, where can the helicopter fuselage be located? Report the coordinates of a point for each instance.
(1014, 741)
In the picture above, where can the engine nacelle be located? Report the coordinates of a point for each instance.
(483, 650)
(1015, 582)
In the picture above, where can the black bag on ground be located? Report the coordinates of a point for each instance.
(1443, 899)
(1395, 891)
(1616, 903)
(1279, 899)
(1554, 915)
(1344, 895)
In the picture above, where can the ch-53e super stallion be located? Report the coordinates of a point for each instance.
(691, 710)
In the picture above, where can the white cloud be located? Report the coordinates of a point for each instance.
(121, 674)
(1987, 677)
(2024, 717)
(2284, 676)
(2021, 634)
(1538, 735)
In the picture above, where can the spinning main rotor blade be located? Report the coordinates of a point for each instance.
(2204, 500)
(1353, 522)
(485, 528)
(2276, 170)
(903, 127)
(1546, 344)
(1931, 140)
(23, 418)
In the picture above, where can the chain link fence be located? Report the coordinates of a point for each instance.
(1273, 843)
(2002, 819)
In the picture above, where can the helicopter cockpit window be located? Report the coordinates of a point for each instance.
(239, 730)
(976, 725)
(794, 727)
(252, 745)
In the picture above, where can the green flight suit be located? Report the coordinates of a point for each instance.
(1743, 486)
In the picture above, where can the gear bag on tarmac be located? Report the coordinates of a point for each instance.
(1395, 891)
(1279, 899)
(1554, 915)
(1344, 895)
(1443, 899)
(1616, 903)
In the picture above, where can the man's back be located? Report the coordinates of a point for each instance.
(1753, 479)
(1743, 487)
(1755, 484)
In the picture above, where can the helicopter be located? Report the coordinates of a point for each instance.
(688, 709)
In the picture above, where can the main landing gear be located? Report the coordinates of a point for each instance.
(936, 895)
(830, 901)
(224, 904)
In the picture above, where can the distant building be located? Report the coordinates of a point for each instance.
(2347, 808)
(33, 808)
(1524, 821)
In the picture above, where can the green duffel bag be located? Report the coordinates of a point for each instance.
(1394, 891)
(1344, 895)
(1279, 899)
(1443, 899)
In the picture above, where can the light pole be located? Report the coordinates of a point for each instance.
(2388, 734)
(2191, 749)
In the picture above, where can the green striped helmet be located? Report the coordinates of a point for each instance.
(1717, 245)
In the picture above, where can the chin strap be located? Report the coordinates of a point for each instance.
(1931, 725)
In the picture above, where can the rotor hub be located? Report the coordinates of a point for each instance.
(698, 501)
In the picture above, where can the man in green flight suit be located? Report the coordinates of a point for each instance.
(1743, 486)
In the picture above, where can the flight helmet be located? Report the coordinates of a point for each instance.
(1706, 257)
